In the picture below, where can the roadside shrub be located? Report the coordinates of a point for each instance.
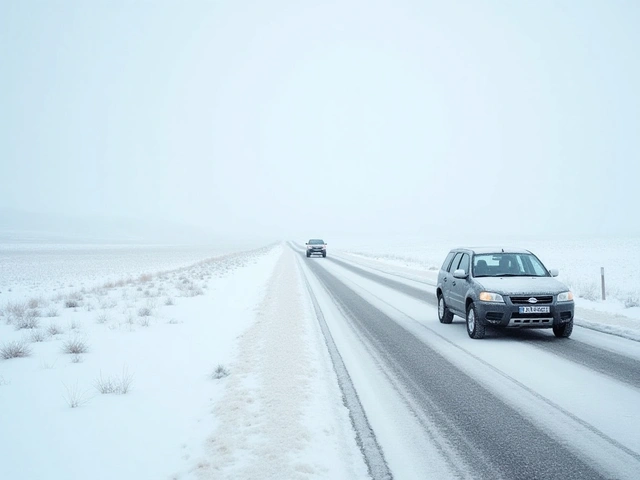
(15, 311)
(52, 312)
(219, 372)
(73, 300)
(102, 318)
(75, 347)
(76, 397)
(169, 301)
(37, 336)
(54, 329)
(70, 303)
(118, 385)
(144, 312)
(145, 277)
(37, 303)
(632, 301)
(28, 321)
(14, 350)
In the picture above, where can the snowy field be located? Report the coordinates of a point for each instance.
(29, 270)
(579, 262)
(183, 373)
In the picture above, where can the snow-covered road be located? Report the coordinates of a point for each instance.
(518, 404)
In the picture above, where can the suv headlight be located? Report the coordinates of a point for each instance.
(565, 297)
(491, 297)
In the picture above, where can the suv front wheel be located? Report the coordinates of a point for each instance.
(563, 330)
(474, 328)
(444, 315)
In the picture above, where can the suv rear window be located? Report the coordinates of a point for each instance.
(316, 241)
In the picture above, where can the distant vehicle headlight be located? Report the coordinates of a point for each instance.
(565, 297)
(491, 297)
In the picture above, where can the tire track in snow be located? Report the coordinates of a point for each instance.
(374, 458)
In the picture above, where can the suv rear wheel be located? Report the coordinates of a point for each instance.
(444, 315)
(563, 330)
(474, 328)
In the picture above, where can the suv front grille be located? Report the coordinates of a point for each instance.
(541, 299)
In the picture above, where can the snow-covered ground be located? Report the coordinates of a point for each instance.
(31, 269)
(216, 370)
(203, 365)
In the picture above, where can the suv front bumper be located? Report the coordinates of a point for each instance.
(508, 315)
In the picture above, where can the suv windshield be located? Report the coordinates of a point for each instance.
(315, 241)
(508, 265)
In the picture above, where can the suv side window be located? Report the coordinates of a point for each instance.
(464, 263)
(455, 263)
(447, 261)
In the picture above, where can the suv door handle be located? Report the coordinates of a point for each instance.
(453, 284)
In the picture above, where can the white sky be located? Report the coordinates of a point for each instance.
(311, 118)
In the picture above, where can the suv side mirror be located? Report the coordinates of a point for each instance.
(460, 273)
(554, 272)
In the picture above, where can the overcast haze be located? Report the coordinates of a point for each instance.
(312, 118)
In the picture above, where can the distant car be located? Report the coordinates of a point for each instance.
(504, 288)
(315, 246)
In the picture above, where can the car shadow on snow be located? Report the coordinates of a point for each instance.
(536, 335)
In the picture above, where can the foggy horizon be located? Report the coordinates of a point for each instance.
(297, 120)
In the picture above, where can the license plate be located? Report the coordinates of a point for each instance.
(533, 309)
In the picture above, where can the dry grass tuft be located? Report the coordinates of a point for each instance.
(118, 385)
(75, 347)
(14, 350)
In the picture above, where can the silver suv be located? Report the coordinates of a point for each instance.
(504, 288)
